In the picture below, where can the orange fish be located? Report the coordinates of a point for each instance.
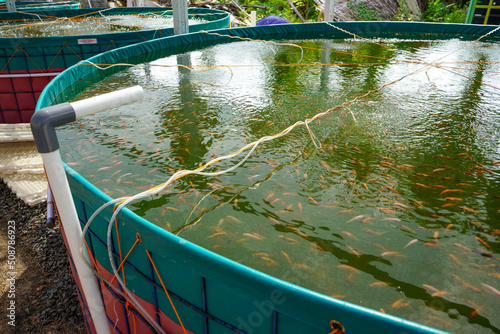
(386, 210)
(391, 254)
(355, 252)
(275, 221)
(317, 247)
(289, 239)
(430, 288)
(491, 289)
(462, 246)
(468, 209)
(432, 244)
(451, 190)
(453, 199)
(454, 258)
(399, 304)
(440, 293)
(313, 200)
(367, 230)
(482, 241)
(218, 234)
(355, 218)
(349, 235)
(345, 266)
(407, 228)
(254, 236)
(473, 288)
(377, 284)
(411, 243)
(287, 257)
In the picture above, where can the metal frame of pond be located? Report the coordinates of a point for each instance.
(182, 287)
(27, 64)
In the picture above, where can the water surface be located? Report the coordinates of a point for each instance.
(396, 210)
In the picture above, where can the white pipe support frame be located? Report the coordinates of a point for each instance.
(43, 124)
(69, 219)
(107, 101)
(11, 5)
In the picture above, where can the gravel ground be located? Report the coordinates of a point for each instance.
(44, 292)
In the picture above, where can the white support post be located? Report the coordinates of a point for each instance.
(43, 124)
(181, 25)
(69, 220)
(130, 3)
(328, 12)
(253, 18)
(11, 5)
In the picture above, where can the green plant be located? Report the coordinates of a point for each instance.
(362, 13)
(276, 7)
(437, 11)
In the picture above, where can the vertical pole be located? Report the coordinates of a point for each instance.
(328, 12)
(253, 18)
(130, 3)
(180, 8)
(470, 12)
(325, 59)
(43, 124)
(11, 5)
(69, 220)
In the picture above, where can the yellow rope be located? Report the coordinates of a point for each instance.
(138, 240)
(166, 292)
(27, 55)
(57, 55)
(7, 64)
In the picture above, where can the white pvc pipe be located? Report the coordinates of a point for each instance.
(107, 101)
(30, 75)
(69, 220)
(180, 13)
(63, 198)
(253, 18)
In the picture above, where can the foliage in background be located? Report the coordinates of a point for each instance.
(275, 7)
(440, 12)
(448, 11)
(362, 13)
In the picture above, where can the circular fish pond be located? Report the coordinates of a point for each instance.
(29, 6)
(36, 46)
(377, 182)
